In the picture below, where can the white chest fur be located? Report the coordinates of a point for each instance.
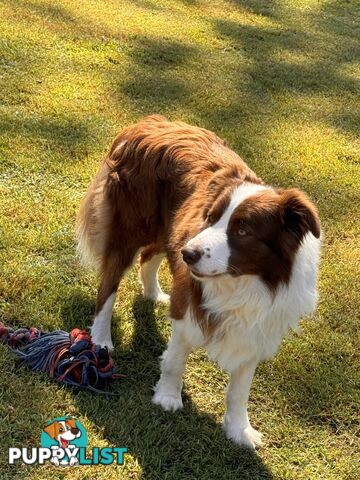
(252, 321)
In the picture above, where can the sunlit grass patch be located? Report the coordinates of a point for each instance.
(280, 82)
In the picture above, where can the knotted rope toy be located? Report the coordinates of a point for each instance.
(70, 358)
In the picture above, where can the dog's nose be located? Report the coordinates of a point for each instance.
(192, 255)
(74, 431)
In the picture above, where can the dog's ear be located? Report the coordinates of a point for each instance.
(71, 422)
(51, 430)
(299, 214)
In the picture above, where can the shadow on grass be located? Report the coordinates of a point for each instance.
(64, 22)
(186, 444)
(77, 310)
(272, 73)
(260, 7)
(68, 138)
(152, 77)
(320, 386)
(147, 4)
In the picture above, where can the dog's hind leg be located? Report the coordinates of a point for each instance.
(150, 261)
(112, 270)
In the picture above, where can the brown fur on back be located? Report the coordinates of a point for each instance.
(151, 191)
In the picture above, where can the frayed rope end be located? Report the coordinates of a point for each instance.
(70, 358)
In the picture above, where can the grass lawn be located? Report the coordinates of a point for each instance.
(279, 80)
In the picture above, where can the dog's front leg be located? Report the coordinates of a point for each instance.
(173, 361)
(236, 422)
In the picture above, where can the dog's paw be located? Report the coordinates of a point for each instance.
(162, 298)
(55, 461)
(158, 296)
(105, 343)
(168, 401)
(247, 437)
(102, 341)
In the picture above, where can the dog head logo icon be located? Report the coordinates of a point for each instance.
(64, 435)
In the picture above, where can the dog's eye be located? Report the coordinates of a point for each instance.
(210, 219)
(241, 232)
(61, 430)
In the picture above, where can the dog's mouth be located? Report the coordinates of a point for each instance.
(194, 273)
(64, 443)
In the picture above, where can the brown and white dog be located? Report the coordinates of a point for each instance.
(243, 255)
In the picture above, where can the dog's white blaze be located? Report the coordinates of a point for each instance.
(101, 328)
(213, 240)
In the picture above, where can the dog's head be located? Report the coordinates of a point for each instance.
(63, 431)
(251, 230)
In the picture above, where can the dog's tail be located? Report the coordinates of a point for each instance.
(92, 221)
